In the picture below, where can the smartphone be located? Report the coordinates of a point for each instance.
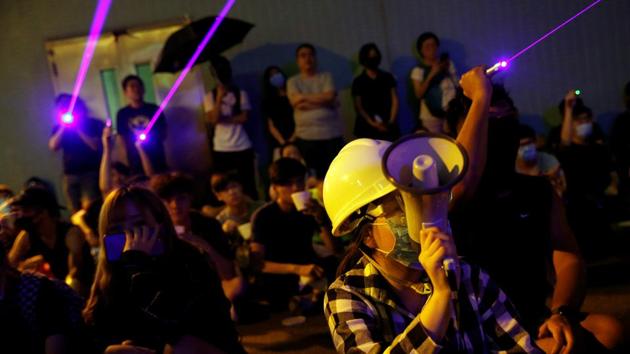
(114, 245)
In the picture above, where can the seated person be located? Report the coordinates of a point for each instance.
(531, 162)
(283, 236)
(392, 294)
(155, 291)
(591, 179)
(236, 216)
(38, 315)
(176, 191)
(47, 243)
(515, 227)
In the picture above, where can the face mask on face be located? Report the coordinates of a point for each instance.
(584, 130)
(372, 62)
(528, 152)
(405, 250)
(277, 80)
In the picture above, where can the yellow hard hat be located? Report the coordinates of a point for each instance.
(354, 179)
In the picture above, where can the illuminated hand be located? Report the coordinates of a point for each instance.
(436, 246)
(476, 84)
(141, 239)
(569, 99)
(558, 327)
(310, 270)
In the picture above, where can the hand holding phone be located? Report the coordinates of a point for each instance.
(143, 239)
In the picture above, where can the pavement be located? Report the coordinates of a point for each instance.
(608, 293)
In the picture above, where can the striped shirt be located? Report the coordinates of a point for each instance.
(364, 316)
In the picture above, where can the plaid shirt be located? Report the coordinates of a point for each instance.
(365, 316)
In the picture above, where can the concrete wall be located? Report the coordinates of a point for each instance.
(592, 53)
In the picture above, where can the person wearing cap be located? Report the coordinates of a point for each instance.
(392, 294)
(47, 243)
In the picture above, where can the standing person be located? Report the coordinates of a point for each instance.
(227, 109)
(277, 109)
(156, 291)
(318, 126)
(434, 82)
(133, 120)
(81, 148)
(375, 98)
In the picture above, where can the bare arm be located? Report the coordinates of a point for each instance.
(214, 115)
(105, 170)
(567, 120)
(420, 87)
(144, 159)
(474, 133)
(54, 143)
(567, 262)
(358, 106)
(393, 113)
(275, 132)
(19, 249)
(90, 141)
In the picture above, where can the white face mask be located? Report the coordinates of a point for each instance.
(584, 130)
(528, 152)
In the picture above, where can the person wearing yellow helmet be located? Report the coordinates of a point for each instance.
(391, 293)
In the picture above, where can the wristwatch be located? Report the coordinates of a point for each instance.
(566, 311)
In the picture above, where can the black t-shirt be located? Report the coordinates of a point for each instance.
(620, 143)
(287, 237)
(553, 137)
(376, 99)
(57, 257)
(506, 231)
(132, 121)
(211, 231)
(587, 169)
(279, 110)
(78, 157)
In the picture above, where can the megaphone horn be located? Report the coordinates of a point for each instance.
(424, 167)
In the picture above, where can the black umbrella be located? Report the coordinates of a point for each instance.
(181, 45)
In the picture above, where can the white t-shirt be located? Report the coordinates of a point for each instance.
(227, 136)
(448, 85)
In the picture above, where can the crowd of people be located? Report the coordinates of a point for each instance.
(149, 263)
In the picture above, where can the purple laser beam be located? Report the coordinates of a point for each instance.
(553, 30)
(100, 14)
(224, 11)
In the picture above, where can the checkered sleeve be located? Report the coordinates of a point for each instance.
(355, 326)
(499, 318)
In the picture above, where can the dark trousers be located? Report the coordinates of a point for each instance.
(80, 188)
(318, 154)
(241, 163)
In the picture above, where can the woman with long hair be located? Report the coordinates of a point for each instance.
(277, 109)
(152, 290)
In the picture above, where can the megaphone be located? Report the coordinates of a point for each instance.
(424, 167)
